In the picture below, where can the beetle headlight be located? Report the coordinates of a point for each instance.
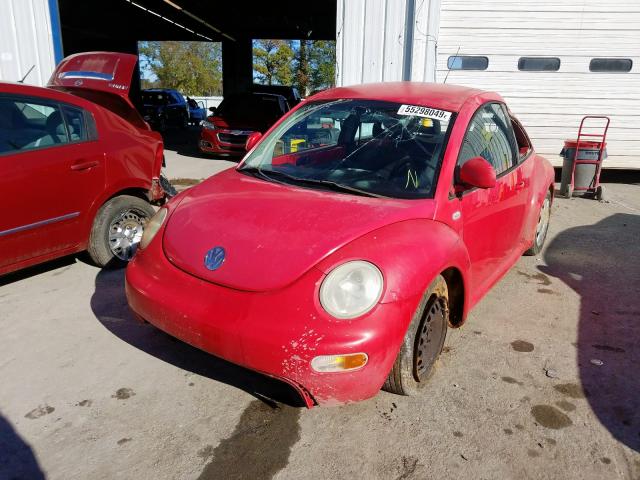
(351, 289)
(152, 227)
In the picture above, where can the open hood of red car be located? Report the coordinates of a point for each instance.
(103, 71)
(271, 233)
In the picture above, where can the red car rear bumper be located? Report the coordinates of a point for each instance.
(275, 333)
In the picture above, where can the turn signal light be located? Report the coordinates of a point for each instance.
(339, 363)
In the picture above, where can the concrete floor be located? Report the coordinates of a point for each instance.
(541, 382)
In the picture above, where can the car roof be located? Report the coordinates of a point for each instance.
(16, 88)
(435, 95)
(159, 90)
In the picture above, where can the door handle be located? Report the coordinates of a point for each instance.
(84, 165)
(520, 185)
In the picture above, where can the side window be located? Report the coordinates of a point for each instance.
(491, 137)
(522, 139)
(366, 131)
(30, 124)
(76, 125)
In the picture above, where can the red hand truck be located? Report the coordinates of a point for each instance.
(599, 143)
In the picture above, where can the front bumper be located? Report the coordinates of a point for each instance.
(223, 141)
(275, 333)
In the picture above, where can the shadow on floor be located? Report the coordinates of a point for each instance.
(41, 268)
(601, 262)
(17, 460)
(110, 307)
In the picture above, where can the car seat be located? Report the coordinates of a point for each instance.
(55, 132)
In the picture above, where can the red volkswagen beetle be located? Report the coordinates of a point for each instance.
(362, 226)
(79, 167)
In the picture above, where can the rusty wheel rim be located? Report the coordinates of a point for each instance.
(429, 340)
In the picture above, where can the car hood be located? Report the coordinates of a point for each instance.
(239, 123)
(271, 233)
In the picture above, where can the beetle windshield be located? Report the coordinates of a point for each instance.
(365, 147)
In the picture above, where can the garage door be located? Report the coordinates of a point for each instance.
(590, 65)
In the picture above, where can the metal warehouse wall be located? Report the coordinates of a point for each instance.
(551, 104)
(27, 39)
(373, 43)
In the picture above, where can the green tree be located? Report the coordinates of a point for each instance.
(272, 62)
(193, 68)
(322, 61)
(302, 68)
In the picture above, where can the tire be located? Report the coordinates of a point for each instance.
(422, 343)
(117, 229)
(542, 227)
(599, 195)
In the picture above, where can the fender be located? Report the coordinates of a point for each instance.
(111, 191)
(544, 176)
(408, 270)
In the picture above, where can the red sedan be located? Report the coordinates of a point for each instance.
(78, 165)
(363, 225)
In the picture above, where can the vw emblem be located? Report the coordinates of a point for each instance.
(77, 83)
(214, 258)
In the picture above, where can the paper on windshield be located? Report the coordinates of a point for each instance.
(426, 112)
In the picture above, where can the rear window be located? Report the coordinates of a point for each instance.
(539, 64)
(622, 65)
(257, 106)
(466, 62)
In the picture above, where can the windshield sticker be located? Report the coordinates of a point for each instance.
(425, 112)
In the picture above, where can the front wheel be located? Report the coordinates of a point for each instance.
(542, 227)
(117, 230)
(422, 343)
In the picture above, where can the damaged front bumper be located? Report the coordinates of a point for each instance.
(275, 333)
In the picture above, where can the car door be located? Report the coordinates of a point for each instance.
(492, 218)
(51, 170)
(526, 171)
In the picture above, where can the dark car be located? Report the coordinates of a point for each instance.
(291, 94)
(79, 167)
(238, 116)
(163, 108)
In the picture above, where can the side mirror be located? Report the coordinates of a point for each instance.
(477, 172)
(212, 110)
(252, 139)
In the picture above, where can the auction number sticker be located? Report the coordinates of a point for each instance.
(426, 112)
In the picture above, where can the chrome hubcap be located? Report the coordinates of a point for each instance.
(125, 232)
(543, 221)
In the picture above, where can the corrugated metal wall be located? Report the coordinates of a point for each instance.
(551, 104)
(26, 40)
(371, 37)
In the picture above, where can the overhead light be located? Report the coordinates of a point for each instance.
(169, 20)
(198, 19)
(173, 4)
